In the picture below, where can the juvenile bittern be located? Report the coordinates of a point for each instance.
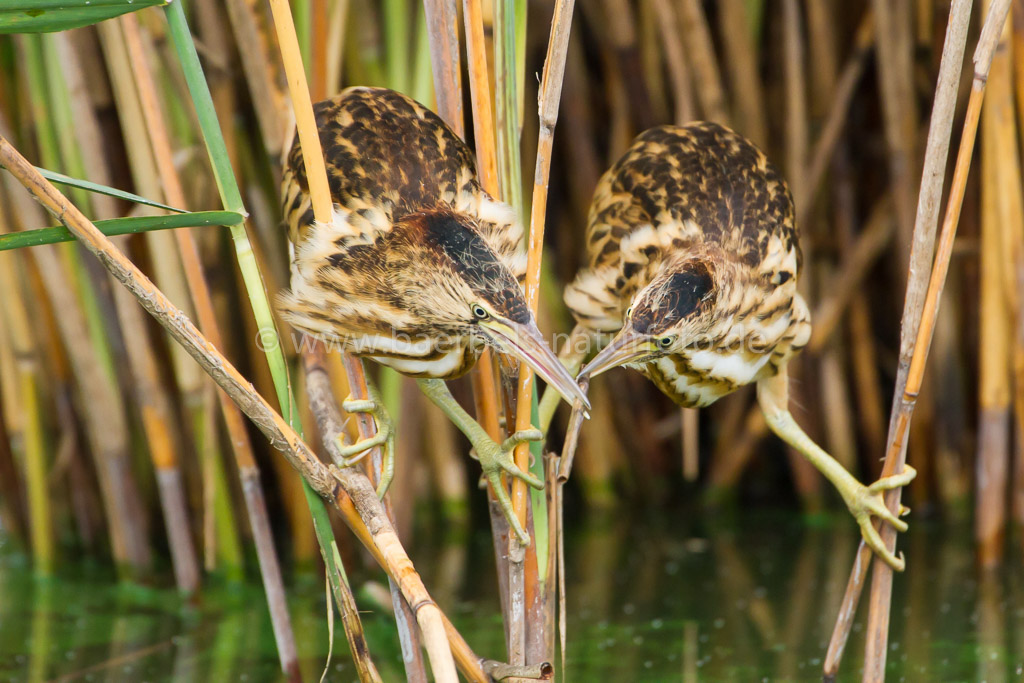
(693, 264)
(420, 269)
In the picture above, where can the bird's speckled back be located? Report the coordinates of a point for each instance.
(385, 151)
(701, 172)
(681, 189)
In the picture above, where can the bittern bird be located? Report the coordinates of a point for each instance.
(420, 269)
(693, 258)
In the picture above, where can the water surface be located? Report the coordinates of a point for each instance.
(751, 599)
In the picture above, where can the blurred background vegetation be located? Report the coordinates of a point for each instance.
(98, 409)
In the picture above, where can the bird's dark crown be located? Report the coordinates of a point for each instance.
(682, 292)
(454, 237)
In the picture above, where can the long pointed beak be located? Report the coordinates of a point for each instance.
(525, 343)
(627, 347)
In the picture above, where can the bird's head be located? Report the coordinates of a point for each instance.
(467, 288)
(675, 310)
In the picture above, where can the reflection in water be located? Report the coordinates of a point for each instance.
(677, 599)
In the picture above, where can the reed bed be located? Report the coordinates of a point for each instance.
(114, 442)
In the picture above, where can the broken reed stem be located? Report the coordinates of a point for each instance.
(428, 615)
(248, 472)
(331, 486)
(921, 305)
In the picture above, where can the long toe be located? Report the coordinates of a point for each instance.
(358, 405)
(361, 447)
(895, 481)
(874, 541)
(505, 503)
(522, 436)
(513, 470)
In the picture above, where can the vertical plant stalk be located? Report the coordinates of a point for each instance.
(1001, 217)
(154, 402)
(895, 73)
(331, 429)
(404, 618)
(511, 559)
(428, 615)
(936, 153)
(15, 319)
(252, 491)
(252, 277)
(740, 47)
(506, 101)
(485, 391)
(255, 50)
(82, 330)
(675, 56)
(443, 28)
(921, 305)
(548, 100)
(707, 78)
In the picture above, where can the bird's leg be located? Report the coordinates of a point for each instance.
(385, 436)
(572, 356)
(494, 458)
(864, 502)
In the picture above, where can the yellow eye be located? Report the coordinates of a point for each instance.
(480, 313)
(665, 342)
(629, 312)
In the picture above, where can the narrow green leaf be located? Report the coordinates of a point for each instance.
(62, 179)
(45, 16)
(120, 226)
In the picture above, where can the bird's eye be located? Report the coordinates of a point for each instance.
(665, 342)
(629, 312)
(480, 313)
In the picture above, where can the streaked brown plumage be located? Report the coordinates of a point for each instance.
(693, 259)
(420, 268)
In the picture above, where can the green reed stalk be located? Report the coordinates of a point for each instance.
(255, 287)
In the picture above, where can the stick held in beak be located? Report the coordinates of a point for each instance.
(523, 340)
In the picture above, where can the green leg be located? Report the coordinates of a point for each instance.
(864, 502)
(494, 458)
(385, 437)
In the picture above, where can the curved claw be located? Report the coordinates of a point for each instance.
(870, 503)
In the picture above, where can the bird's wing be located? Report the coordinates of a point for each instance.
(387, 156)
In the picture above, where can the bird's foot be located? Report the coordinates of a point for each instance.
(866, 502)
(495, 459)
(385, 438)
